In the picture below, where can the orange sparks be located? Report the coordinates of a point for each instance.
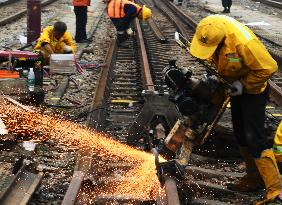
(137, 180)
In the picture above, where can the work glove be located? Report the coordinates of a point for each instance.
(68, 49)
(129, 32)
(237, 88)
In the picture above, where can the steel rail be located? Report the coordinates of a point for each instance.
(157, 31)
(21, 13)
(83, 164)
(97, 117)
(276, 4)
(172, 19)
(146, 73)
(8, 2)
(275, 92)
(21, 188)
(170, 194)
(25, 182)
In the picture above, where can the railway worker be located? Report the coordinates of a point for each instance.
(122, 13)
(55, 39)
(243, 60)
(277, 147)
(80, 10)
(226, 5)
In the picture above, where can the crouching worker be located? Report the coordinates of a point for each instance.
(122, 13)
(55, 39)
(243, 60)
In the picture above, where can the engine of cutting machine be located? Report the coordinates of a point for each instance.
(200, 102)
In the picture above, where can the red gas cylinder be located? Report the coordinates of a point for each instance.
(33, 20)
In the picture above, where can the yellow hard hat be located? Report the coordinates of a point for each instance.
(209, 33)
(146, 13)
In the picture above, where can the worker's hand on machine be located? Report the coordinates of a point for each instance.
(237, 88)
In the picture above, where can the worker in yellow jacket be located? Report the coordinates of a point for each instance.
(243, 60)
(55, 39)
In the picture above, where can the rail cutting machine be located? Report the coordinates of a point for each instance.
(201, 103)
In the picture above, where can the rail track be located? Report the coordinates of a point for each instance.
(4, 3)
(12, 12)
(115, 113)
(117, 102)
(273, 3)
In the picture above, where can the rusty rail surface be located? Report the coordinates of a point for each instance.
(23, 184)
(276, 93)
(156, 30)
(146, 73)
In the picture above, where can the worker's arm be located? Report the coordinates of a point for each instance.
(130, 11)
(68, 40)
(261, 66)
(44, 38)
(46, 48)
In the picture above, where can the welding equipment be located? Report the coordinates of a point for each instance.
(201, 102)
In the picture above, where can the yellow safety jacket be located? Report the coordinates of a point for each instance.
(58, 46)
(243, 57)
(277, 147)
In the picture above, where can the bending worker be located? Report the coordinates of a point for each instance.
(55, 39)
(122, 12)
(243, 60)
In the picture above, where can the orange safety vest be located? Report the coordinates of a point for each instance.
(81, 2)
(116, 8)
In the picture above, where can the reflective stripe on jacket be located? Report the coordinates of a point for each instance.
(47, 36)
(277, 147)
(243, 57)
(81, 2)
(116, 8)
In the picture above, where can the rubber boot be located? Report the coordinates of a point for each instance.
(225, 6)
(121, 38)
(225, 10)
(229, 4)
(270, 174)
(252, 181)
